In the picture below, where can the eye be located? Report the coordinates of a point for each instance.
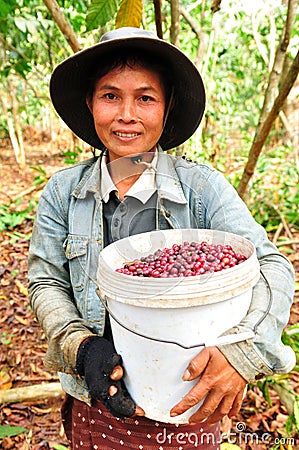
(146, 98)
(110, 96)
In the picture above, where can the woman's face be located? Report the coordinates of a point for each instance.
(128, 108)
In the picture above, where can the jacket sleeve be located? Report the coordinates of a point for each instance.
(50, 290)
(272, 296)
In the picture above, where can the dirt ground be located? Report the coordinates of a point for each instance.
(23, 344)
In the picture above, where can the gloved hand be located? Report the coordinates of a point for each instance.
(96, 360)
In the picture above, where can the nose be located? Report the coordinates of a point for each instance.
(127, 111)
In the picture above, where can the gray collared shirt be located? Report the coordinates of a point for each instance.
(136, 213)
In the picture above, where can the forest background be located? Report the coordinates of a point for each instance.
(247, 53)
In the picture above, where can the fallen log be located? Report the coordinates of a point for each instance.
(33, 393)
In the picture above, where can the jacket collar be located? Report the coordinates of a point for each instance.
(168, 183)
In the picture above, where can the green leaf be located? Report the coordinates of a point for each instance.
(99, 12)
(264, 387)
(21, 24)
(129, 14)
(4, 9)
(22, 67)
(7, 430)
(10, 217)
(289, 424)
(296, 413)
(59, 447)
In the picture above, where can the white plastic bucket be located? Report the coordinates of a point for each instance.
(184, 311)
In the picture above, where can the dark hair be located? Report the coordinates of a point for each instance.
(132, 59)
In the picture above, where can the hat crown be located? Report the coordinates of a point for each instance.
(127, 32)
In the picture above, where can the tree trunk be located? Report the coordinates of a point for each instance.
(197, 29)
(175, 22)
(276, 73)
(291, 113)
(16, 121)
(63, 24)
(16, 145)
(265, 127)
(216, 6)
(204, 51)
(268, 113)
(158, 18)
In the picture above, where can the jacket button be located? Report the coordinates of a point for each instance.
(167, 213)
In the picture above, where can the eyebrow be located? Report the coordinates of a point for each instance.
(115, 88)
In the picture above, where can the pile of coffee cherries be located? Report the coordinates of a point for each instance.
(184, 260)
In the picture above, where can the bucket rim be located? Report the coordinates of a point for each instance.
(186, 291)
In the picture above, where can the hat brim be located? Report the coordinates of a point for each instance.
(69, 84)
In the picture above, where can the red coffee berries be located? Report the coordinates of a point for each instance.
(187, 259)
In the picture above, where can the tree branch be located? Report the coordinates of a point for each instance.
(31, 393)
(192, 22)
(269, 112)
(175, 22)
(63, 24)
(216, 6)
(265, 127)
(158, 18)
(14, 49)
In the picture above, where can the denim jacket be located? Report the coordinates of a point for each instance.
(68, 236)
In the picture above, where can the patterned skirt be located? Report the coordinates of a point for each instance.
(94, 428)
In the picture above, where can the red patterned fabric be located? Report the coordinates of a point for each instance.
(94, 428)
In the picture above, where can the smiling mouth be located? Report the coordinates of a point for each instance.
(126, 135)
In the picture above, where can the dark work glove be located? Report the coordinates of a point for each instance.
(96, 360)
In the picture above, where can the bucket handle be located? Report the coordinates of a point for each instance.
(220, 340)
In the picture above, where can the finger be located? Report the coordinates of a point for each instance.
(139, 411)
(195, 368)
(117, 373)
(112, 390)
(212, 410)
(197, 365)
(236, 405)
(194, 396)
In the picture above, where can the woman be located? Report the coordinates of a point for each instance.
(133, 96)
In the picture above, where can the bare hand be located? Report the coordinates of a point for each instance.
(222, 385)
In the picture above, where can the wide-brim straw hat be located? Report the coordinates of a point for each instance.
(70, 80)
